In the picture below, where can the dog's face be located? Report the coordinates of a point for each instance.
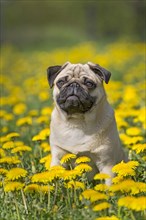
(77, 87)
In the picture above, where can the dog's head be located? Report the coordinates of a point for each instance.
(77, 87)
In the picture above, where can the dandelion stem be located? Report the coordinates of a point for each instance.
(55, 195)
(17, 210)
(70, 166)
(75, 194)
(68, 197)
(132, 216)
(24, 201)
(48, 197)
(119, 212)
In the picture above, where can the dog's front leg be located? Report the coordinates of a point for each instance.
(107, 169)
(57, 153)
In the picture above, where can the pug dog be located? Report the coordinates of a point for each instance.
(82, 121)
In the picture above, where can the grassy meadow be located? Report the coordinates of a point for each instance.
(29, 189)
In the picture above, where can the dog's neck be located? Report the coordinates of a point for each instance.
(101, 115)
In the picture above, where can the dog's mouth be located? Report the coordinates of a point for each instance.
(75, 102)
(72, 101)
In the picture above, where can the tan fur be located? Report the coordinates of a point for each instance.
(93, 133)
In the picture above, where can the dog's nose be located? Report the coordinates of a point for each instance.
(74, 84)
(75, 87)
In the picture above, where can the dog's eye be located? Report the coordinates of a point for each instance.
(60, 83)
(89, 84)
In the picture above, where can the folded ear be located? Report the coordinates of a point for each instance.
(100, 71)
(52, 73)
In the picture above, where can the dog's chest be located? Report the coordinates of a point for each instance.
(74, 139)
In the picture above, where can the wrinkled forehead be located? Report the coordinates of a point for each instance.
(77, 71)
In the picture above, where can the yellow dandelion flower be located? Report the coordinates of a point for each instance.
(129, 186)
(130, 140)
(24, 121)
(46, 158)
(18, 143)
(121, 123)
(19, 109)
(82, 160)
(3, 171)
(141, 117)
(46, 111)
(136, 204)
(33, 113)
(98, 196)
(38, 137)
(20, 149)
(133, 131)
(46, 147)
(12, 135)
(48, 163)
(101, 176)
(93, 195)
(8, 145)
(126, 172)
(139, 204)
(43, 177)
(75, 185)
(101, 206)
(70, 174)
(47, 176)
(134, 140)
(83, 168)
(87, 194)
(57, 168)
(139, 148)
(125, 169)
(31, 188)
(2, 153)
(101, 187)
(2, 113)
(8, 117)
(133, 164)
(12, 186)
(10, 160)
(113, 217)
(46, 188)
(43, 96)
(45, 132)
(4, 139)
(67, 157)
(4, 129)
(16, 173)
(117, 179)
(42, 119)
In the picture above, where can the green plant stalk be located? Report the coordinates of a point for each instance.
(132, 216)
(68, 198)
(55, 195)
(75, 195)
(17, 210)
(24, 201)
(119, 212)
(48, 198)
